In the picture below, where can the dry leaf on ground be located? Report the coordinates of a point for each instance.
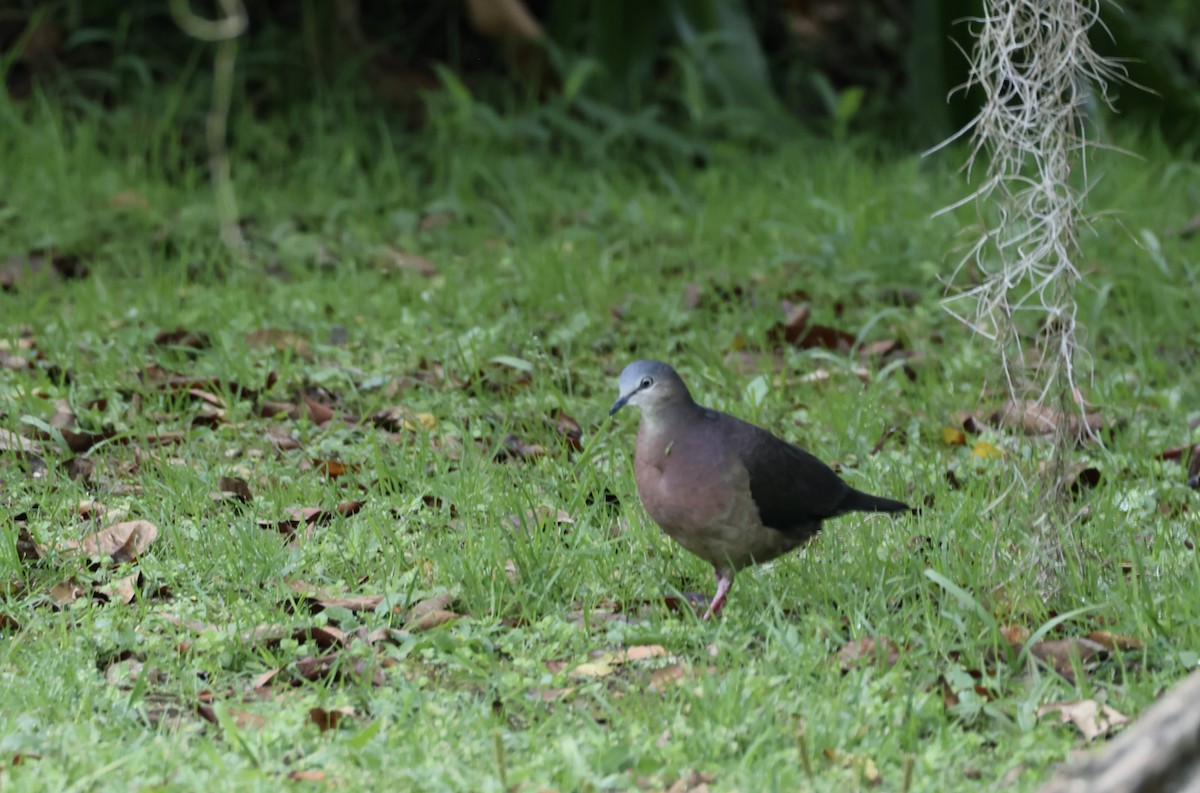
(340, 668)
(122, 542)
(863, 765)
(640, 652)
(329, 719)
(868, 649)
(64, 593)
(600, 666)
(1032, 418)
(692, 782)
(1060, 654)
(399, 417)
(430, 613)
(550, 694)
(390, 259)
(309, 517)
(669, 675)
(542, 516)
(318, 600)
(514, 448)
(306, 775)
(280, 340)
(1093, 719)
(792, 327)
(234, 487)
(1115, 641)
(568, 428)
(953, 436)
(182, 337)
(318, 412)
(123, 590)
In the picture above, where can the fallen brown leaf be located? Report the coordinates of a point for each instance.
(868, 649)
(155, 375)
(568, 428)
(182, 337)
(640, 652)
(80, 469)
(669, 675)
(64, 593)
(128, 199)
(318, 600)
(550, 694)
(63, 420)
(865, 766)
(1075, 477)
(541, 516)
(122, 542)
(1093, 719)
(793, 326)
(280, 340)
(269, 408)
(1060, 654)
(692, 782)
(123, 590)
(318, 413)
(390, 259)
(17, 268)
(333, 468)
(435, 220)
(12, 442)
(127, 671)
(826, 338)
(430, 620)
(338, 668)
(1114, 641)
(307, 775)
(324, 636)
(399, 417)
(309, 517)
(430, 613)
(1032, 418)
(28, 550)
(283, 440)
(262, 679)
(236, 487)
(329, 719)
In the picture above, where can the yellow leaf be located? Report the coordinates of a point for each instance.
(598, 668)
(864, 765)
(425, 420)
(640, 653)
(953, 436)
(985, 450)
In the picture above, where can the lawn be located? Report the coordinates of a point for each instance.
(377, 530)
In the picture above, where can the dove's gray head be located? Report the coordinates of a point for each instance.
(650, 386)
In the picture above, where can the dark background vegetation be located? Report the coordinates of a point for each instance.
(670, 74)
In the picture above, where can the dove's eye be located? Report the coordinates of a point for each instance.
(646, 382)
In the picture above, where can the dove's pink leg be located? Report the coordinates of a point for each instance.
(724, 581)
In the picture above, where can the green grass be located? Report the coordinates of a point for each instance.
(574, 269)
